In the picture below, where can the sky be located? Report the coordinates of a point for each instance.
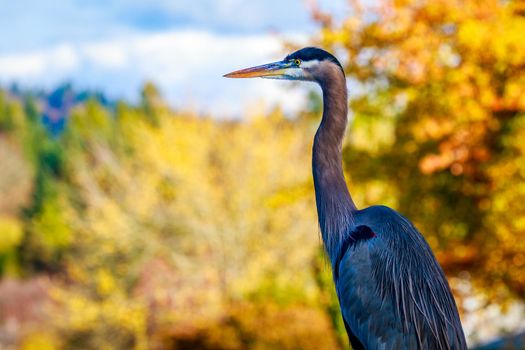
(184, 47)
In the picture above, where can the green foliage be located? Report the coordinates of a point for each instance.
(11, 234)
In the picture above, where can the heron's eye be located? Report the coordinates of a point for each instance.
(297, 62)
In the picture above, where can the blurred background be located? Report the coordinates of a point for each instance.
(148, 203)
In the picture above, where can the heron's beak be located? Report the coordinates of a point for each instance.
(275, 70)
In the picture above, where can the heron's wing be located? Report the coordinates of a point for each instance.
(392, 292)
(370, 320)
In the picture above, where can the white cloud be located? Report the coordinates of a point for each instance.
(24, 66)
(106, 54)
(187, 65)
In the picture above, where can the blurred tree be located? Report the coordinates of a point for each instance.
(438, 105)
(46, 232)
(16, 180)
(179, 223)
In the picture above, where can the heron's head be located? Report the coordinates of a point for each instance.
(308, 64)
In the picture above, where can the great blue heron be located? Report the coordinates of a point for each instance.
(392, 292)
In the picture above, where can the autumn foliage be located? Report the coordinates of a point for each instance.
(439, 110)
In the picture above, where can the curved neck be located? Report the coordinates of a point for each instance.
(334, 205)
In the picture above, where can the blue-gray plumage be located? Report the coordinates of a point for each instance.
(392, 292)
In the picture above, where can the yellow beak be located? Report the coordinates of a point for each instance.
(270, 70)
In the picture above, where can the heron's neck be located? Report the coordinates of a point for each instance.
(335, 207)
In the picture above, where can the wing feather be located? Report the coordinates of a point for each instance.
(393, 293)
